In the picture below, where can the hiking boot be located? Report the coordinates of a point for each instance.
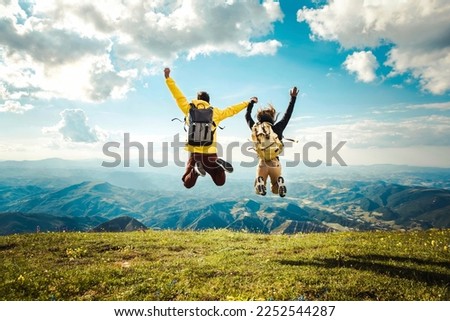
(227, 167)
(281, 187)
(260, 186)
(199, 169)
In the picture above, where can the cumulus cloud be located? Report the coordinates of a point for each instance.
(94, 50)
(363, 64)
(417, 30)
(73, 127)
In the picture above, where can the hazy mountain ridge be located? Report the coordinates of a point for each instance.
(337, 200)
(319, 209)
(12, 223)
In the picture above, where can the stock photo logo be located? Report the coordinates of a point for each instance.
(120, 153)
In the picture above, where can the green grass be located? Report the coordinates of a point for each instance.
(225, 265)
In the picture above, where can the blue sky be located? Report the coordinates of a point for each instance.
(75, 75)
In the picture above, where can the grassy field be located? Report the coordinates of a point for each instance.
(224, 265)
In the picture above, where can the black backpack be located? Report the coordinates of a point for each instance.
(201, 126)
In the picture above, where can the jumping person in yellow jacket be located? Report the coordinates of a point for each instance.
(202, 143)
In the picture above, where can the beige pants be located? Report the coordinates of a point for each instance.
(270, 168)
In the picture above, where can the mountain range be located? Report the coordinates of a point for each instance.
(35, 196)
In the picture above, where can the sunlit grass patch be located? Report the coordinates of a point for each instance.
(225, 265)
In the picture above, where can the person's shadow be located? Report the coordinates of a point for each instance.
(393, 266)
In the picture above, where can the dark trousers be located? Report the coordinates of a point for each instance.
(209, 164)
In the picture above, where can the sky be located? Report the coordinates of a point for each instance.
(76, 75)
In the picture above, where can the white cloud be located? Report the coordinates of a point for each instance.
(363, 64)
(243, 48)
(417, 30)
(437, 106)
(369, 133)
(16, 107)
(431, 68)
(73, 127)
(93, 51)
(301, 118)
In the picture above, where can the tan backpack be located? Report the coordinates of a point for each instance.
(266, 142)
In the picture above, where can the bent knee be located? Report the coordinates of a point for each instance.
(219, 183)
(188, 185)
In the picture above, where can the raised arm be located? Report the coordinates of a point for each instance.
(248, 114)
(233, 110)
(281, 125)
(179, 97)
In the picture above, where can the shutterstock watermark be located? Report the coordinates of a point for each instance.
(120, 152)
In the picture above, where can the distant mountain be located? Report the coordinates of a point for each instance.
(377, 204)
(11, 223)
(158, 200)
(409, 206)
(58, 173)
(120, 224)
(85, 199)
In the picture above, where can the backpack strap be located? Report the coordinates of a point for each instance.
(181, 121)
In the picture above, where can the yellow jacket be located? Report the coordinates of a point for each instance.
(218, 115)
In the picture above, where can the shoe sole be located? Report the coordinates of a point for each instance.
(282, 190)
(260, 187)
(225, 165)
(199, 170)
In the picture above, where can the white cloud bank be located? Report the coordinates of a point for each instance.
(73, 127)
(418, 31)
(370, 133)
(94, 50)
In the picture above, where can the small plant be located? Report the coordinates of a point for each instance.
(75, 253)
